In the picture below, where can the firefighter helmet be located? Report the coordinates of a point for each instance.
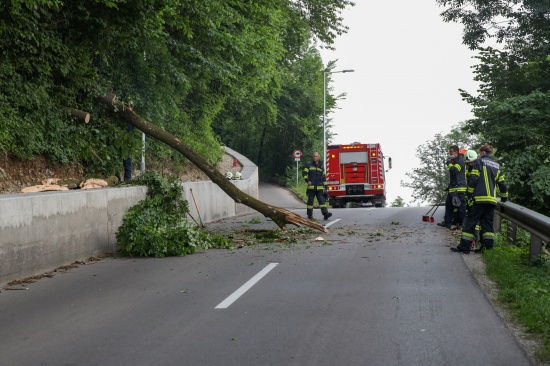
(462, 151)
(470, 156)
(229, 175)
(237, 175)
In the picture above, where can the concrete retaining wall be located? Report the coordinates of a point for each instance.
(213, 203)
(42, 231)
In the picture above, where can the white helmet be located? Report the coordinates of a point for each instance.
(237, 175)
(470, 156)
(229, 175)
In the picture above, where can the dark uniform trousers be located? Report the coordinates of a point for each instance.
(311, 194)
(483, 214)
(450, 209)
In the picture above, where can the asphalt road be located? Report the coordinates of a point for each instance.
(381, 288)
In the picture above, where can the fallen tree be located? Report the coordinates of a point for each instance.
(280, 216)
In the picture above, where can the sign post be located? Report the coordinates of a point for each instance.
(297, 155)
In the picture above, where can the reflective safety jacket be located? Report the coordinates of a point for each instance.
(457, 175)
(315, 174)
(484, 180)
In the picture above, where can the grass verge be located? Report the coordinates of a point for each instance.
(299, 189)
(523, 288)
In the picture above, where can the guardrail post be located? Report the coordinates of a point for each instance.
(536, 224)
(497, 223)
(535, 248)
(512, 232)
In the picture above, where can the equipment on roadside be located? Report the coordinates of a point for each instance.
(430, 218)
(197, 207)
(229, 175)
(193, 219)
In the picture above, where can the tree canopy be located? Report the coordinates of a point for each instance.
(202, 70)
(430, 181)
(512, 106)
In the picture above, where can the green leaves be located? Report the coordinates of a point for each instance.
(512, 106)
(243, 71)
(157, 227)
(432, 178)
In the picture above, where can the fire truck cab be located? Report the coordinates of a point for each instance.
(356, 175)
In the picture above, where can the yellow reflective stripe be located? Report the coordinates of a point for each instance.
(461, 189)
(488, 235)
(467, 236)
(309, 206)
(488, 186)
(485, 199)
(457, 166)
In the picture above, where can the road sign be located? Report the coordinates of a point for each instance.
(297, 154)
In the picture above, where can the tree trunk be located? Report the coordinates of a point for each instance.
(78, 114)
(279, 215)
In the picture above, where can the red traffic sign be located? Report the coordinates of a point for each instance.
(297, 154)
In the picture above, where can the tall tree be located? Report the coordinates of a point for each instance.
(429, 182)
(517, 24)
(512, 106)
(186, 64)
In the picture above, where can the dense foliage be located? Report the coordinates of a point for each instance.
(430, 180)
(512, 106)
(195, 68)
(157, 227)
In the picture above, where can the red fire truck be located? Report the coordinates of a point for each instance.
(356, 175)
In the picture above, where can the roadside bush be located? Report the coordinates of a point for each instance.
(157, 227)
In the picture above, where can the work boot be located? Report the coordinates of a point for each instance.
(327, 215)
(310, 217)
(460, 249)
(444, 224)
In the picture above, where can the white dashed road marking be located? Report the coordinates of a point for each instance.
(241, 290)
(332, 222)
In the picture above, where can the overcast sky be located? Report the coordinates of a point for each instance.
(408, 65)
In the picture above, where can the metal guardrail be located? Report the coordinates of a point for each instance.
(533, 222)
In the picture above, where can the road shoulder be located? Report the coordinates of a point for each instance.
(527, 341)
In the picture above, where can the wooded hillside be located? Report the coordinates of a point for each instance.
(245, 74)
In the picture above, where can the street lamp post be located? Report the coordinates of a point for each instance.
(325, 73)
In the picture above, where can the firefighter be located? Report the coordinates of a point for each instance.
(456, 189)
(456, 214)
(314, 175)
(482, 189)
(469, 159)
